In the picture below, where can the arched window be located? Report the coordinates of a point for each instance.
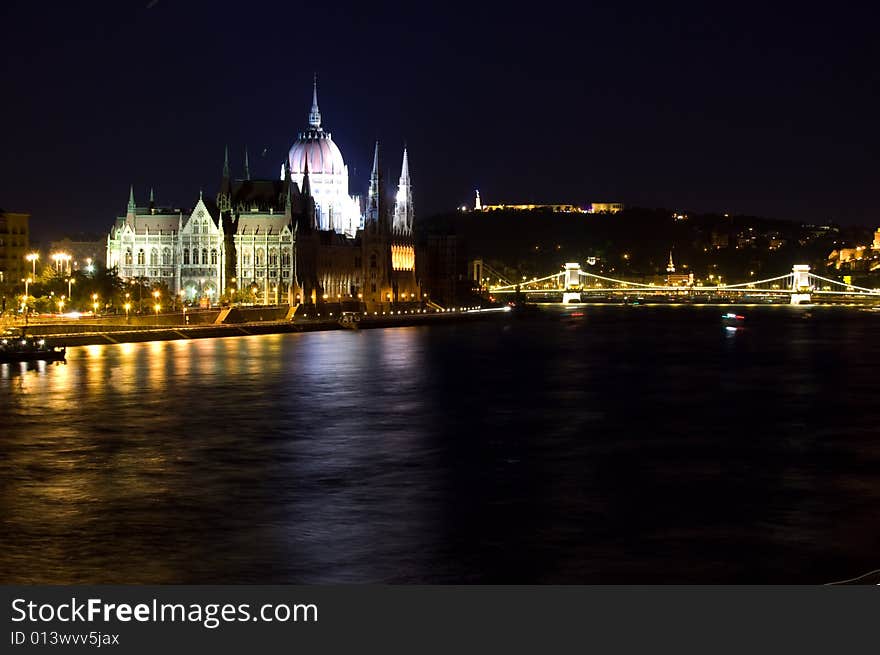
(195, 256)
(195, 227)
(213, 257)
(166, 257)
(154, 257)
(246, 259)
(285, 259)
(128, 256)
(258, 258)
(186, 255)
(141, 257)
(204, 255)
(273, 258)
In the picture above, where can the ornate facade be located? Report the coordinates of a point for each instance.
(301, 239)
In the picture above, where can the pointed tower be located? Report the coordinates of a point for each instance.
(152, 201)
(308, 200)
(371, 217)
(403, 205)
(288, 195)
(247, 166)
(131, 211)
(478, 205)
(670, 267)
(315, 113)
(224, 196)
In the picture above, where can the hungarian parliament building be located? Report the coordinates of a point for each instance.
(301, 239)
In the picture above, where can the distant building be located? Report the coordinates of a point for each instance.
(606, 207)
(14, 245)
(850, 258)
(876, 244)
(568, 209)
(83, 249)
(680, 279)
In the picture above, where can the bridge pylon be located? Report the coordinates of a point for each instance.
(572, 284)
(572, 280)
(801, 285)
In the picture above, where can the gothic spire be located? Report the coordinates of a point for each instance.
(404, 169)
(315, 113)
(247, 167)
(308, 200)
(224, 196)
(131, 206)
(403, 209)
(306, 186)
(288, 191)
(373, 194)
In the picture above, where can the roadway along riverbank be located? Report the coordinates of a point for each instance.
(97, 334)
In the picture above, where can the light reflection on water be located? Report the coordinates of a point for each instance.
(629, 445)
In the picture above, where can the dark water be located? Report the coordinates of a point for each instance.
(630, 445)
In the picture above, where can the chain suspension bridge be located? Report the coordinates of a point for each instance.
(574, 284)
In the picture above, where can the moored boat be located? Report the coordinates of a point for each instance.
(17, 347)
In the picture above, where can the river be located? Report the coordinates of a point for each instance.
(626, 445)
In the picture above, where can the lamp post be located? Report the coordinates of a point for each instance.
(95, 302)
(24, 303)
(62, 261)
(32, 257)
(127, 309)
(61, 305)
(70, 282)
(157, 294)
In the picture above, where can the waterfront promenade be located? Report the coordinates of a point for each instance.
(247, 322)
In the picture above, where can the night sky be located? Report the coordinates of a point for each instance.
(744, 109)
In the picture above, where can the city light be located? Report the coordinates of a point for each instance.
(62, 261)
(32, 257)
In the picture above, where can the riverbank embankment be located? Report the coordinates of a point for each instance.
(91, 333)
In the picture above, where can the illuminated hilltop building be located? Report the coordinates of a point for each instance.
(594, 208)
(297, 239)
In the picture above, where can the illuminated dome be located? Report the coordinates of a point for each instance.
(314, 153)
(323, 155)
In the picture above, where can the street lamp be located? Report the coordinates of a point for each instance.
(61, 305)
(62, 261)
(70, 282)
(32, 257)
(95, 302)
(157, 307)
(127, 309)
(24, 303)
